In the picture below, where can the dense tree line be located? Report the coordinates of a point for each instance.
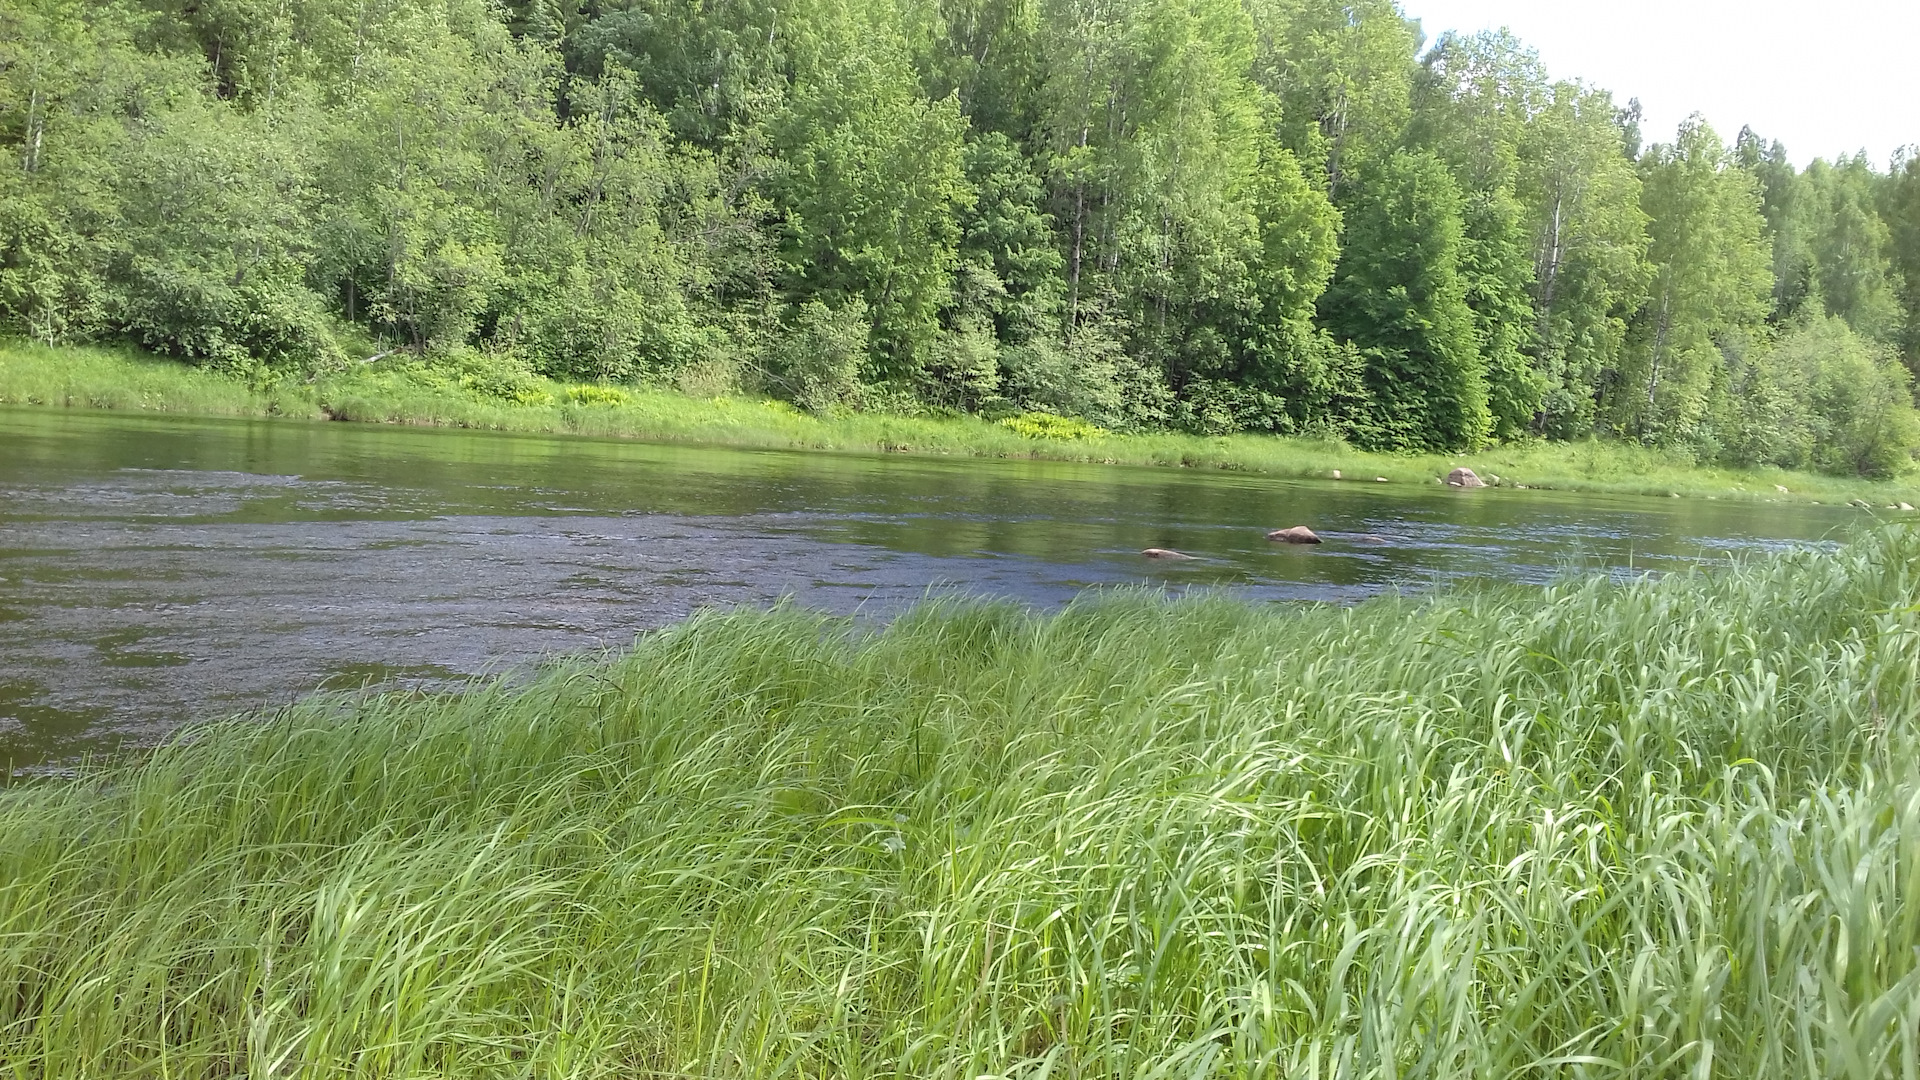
(1273, 215)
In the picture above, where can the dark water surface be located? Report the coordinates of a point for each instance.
(157, 569)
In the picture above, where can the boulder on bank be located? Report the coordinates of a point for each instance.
(1166, 553)
(1464, 477)
(1298, 534)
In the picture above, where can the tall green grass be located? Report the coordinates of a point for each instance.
(126, 379)
(1655, 829)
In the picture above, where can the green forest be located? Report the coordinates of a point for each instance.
(1302, 217)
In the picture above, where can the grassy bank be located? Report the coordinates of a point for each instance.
(1661, 829)
(400, 393)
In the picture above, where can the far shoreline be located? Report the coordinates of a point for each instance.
(128, 380)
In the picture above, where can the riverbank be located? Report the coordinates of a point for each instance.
(125, 379)
(1663, 826)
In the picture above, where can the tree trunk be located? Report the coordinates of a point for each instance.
(36, 127)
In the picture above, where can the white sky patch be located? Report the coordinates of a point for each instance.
(1826, 79)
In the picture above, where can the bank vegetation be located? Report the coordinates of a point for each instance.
(1656, 828)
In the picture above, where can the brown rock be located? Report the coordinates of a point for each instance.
(1166, 553)
(1299, 534)
(1465, 478)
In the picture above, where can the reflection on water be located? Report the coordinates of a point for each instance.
(156, 569)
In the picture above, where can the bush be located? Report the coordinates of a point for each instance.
(818, 362)
(962, 370)
(500, 376)
(251, 330)
(1822, 398)
(1089, 375)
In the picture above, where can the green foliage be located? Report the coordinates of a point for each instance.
(1849, 248)
(1789, 212)
(1009, 268)
(819, 360)
(1831, 247)
(1042, 425)
(1091, 375)
(1899, 204)
(871, 179)
(500, 377)
(1268, 370)
(1822, 398)
(1129, 211)
(1590, 272)
(707, 67)
(1400, 297)
(1710, 290)
(1471, 107)
(1343, 74)
(1647, 824)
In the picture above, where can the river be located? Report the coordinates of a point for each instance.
(155, 570)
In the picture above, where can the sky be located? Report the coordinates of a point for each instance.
(1825, 78)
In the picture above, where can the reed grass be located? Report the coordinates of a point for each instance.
(1660, 828)
(127, 379)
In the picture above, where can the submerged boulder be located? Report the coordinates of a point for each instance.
(1166, 553)
(1298, 534)
(1464, 477)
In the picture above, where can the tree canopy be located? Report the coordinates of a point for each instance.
(1295, 216)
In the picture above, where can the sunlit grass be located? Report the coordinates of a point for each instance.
(1657, 829)
(129, 380)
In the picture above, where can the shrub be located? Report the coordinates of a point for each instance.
(1822, 398)
(818, 362)
(500, 376)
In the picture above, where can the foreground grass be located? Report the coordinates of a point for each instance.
(128, 380)
(1660, 829)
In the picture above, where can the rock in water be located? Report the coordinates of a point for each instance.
(1299, 534)
(1464, 477)
(1166, 553)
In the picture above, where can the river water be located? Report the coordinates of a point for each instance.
(154, 570)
